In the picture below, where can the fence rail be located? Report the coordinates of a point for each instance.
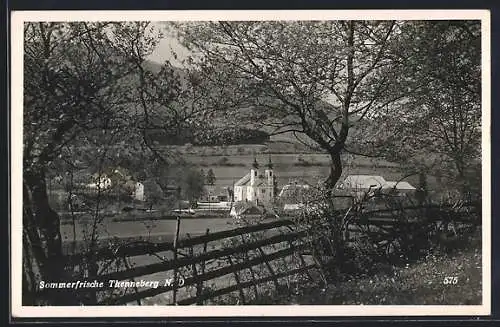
(135, 248)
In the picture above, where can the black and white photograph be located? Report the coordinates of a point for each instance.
(256, 163)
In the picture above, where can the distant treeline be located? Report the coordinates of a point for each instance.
(229, 136)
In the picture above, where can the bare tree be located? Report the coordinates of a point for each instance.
(438, 127)
(291, 68)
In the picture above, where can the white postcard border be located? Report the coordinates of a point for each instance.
(16, 134)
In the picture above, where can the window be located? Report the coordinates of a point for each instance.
(263, 191)
(255, 173)
(270, 173)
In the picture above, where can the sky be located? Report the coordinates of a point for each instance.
(169, 43)
(164, 50)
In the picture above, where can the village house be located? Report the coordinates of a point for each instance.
(362, 182)
(138, 193)
(216, 193)
(250, 210)
(256, 187)
(118, 179)
(294, 188)
(100, 181)
(359, 185)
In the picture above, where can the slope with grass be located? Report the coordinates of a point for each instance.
(438, 279)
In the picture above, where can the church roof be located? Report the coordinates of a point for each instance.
(243, 181)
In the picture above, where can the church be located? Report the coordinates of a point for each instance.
(255, 186)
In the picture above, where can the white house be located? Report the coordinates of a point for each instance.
(364, 183)
(255, 186)
(138, 193)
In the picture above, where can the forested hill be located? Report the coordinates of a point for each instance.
(225, 133)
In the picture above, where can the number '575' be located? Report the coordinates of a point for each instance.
(450, 280)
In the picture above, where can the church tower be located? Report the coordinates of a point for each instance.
(269, 173)
(254, 172)
(270, 179)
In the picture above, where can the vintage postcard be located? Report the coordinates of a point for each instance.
(250, 163)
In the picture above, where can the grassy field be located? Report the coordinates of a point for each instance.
(230, 163)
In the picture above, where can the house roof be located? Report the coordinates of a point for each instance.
(215, 189)
(252, 211)
(374, 181)
(363, 181)
(293, 206)
(247, 208)
(293, 190)
(399, 185)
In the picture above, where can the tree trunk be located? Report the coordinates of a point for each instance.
(335, 170)
(42, 252)
(33, 255)
(464, 188)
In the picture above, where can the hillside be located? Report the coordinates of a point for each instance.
(239, 150)
(245, 112)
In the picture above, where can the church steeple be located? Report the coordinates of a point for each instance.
(269, 174)
(270, 163)
(255, 164)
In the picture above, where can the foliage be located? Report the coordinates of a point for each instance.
(74, 91)
(438, 126)
(210, 178)
(417, 283)
(192, 185)
(325, 227)
(88, 102)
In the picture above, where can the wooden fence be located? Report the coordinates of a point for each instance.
(233, 262)
(237, 260)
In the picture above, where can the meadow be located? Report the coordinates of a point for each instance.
(230, 163)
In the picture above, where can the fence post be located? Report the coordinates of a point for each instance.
(270, 268)
(301, 258)
(174, 292)
(237, 279)
(252, 273)
(136, 289)
(93, 270)
(195, 270)
(204, 251)
(199, 284)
